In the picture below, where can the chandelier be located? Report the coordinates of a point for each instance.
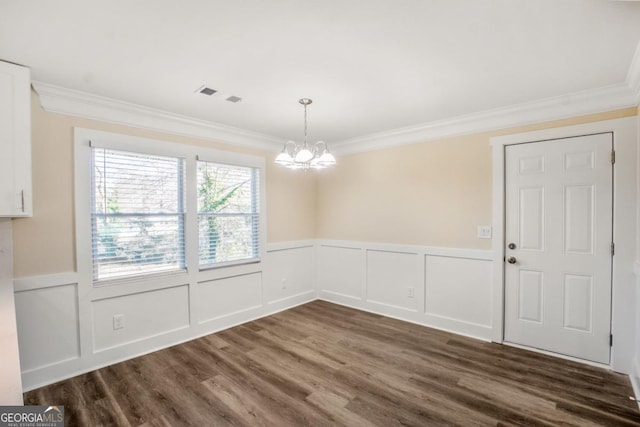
(302, 156)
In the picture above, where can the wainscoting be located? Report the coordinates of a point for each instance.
(444, 288)
(63, 333)
(634, 375)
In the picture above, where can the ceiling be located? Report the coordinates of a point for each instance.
(369, 65)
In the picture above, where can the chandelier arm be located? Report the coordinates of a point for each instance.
(290, 146)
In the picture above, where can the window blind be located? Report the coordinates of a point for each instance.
(137, 214)
(228, 214)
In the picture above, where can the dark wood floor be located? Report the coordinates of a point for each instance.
(323, 364)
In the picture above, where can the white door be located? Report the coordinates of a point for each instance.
(558, 237)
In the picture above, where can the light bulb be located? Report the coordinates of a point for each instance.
(327, 159)
(304, 155)
(284, 158)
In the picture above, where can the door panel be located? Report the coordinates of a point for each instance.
(578, 219)
(558, 207)
(530, 296)
(531, 227)
(577, 299)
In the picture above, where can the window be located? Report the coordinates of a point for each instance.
(146, 207)
(137, 214)
(228, 214)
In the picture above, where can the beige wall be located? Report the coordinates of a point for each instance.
(45, 243)
(432, 193)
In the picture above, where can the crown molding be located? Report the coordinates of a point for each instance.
(633, 76)
(61, 100)
(592, 101)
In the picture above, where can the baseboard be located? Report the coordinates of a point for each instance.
(480, 333)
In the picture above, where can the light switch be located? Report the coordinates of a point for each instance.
(484, 231)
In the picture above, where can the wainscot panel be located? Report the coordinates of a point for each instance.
(341, 272)
(288, 272)
(444, 288)
(144, 315)
(222, 297)
(47, 320)
(459, 288)
(392, 279)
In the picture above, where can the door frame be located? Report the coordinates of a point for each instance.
(624, 227)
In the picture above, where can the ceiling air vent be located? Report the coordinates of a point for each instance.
(206, 90)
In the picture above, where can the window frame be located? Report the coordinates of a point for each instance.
(180, 215)
(86, 139)
(260, 183)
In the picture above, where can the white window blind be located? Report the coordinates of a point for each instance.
(228, 214)
(137, 214)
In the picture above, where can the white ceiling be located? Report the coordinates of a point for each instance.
(369, 65)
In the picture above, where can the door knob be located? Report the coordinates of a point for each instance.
(511, 260)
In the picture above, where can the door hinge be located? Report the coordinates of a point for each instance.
(610, 340)
(613, 248)
(613, 156)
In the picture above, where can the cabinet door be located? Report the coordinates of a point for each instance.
(15, 141)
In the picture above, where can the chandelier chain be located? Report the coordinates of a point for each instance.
(305, 125)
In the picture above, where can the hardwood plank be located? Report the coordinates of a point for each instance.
(325, 364)
(249, 410)
(336, 406)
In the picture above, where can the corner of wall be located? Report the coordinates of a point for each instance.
(635, 379)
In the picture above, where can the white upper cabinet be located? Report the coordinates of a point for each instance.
(15, 141)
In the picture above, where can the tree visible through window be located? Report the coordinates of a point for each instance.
(228, 215)
(137, 214)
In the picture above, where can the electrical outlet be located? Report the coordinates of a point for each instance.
(484, 231)
(411, 292)
(118, 321)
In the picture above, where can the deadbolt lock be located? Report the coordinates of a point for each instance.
(512, 246)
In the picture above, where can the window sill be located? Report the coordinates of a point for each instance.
(228, 264)
(229, 270)
(130, 280)
(135, 285)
